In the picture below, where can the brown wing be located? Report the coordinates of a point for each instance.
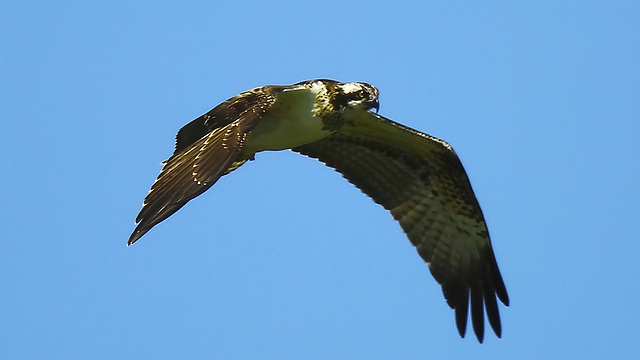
(206, 148)
(421, 181)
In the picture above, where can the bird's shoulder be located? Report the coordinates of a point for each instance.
(245, 107)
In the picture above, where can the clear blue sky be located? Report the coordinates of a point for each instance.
(283, 259)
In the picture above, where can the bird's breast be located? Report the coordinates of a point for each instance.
(285, 127)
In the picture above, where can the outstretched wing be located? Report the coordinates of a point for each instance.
(206, 148)
(421, 181)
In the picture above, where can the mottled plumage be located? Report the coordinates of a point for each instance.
(417, 177)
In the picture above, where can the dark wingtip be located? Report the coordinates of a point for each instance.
(133, 238)
(474, 302)
(493, 313)
(477, 314)
(461, 311)
(137, 234)
(498, 283)
(503, 296)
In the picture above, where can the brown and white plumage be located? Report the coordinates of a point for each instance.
(417, 177)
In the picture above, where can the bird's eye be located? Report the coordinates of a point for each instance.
(362, 94)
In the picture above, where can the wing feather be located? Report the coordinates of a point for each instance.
(421, 181)
(188, 174)
(206, 148)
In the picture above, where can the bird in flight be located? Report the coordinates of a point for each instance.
(417, 177)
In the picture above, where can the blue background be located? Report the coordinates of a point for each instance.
(284, 259)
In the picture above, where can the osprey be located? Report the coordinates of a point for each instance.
(415, 176)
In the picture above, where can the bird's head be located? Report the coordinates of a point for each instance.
(357, 95)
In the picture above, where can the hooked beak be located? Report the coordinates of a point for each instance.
(374, 104)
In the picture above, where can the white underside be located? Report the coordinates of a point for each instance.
(289, 123)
